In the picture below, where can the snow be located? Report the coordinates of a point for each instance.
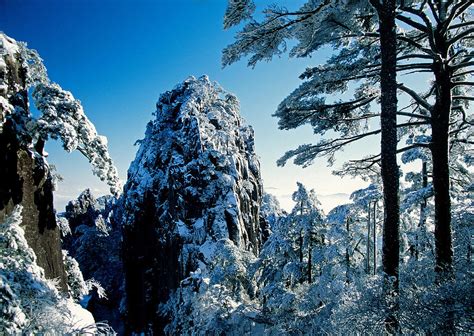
(183, 231)
(33, 304)
(197, 173)
(8, 46)
(80, 318)
(196, 181)
(198, 135)
(62, 116)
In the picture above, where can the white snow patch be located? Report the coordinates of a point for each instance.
(7, 45)
(80, 317)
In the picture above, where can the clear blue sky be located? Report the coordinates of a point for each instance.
(118, 56)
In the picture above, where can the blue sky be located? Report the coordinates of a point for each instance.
(118, 56)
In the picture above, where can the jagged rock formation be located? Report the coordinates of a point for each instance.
(194, 182)
(92, 237)
(25, 175)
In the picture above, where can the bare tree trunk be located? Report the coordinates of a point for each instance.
(310, 263)
(422, 221)
(389, 166)
(440, 153)
(348, 260)
(301, 245)
(375, 236)
(440, 117)
(368, 239)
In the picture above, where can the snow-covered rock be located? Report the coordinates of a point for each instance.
(25, 177)
(195, 182)
(93, 239)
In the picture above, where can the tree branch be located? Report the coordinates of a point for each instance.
(412, 23)
(414, 115)
(460, 74)
(410, 56)
(416, 45)
(457, 9)
(460, 36)
(415, 97)
(454, 84)
(460, 25)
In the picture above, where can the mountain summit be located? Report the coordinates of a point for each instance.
(193, 187)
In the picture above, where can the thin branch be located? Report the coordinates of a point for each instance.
(465, 141)
(460, 36)
(464, 73)
(433, 11)
(464, 97)
(459, 52)
(404, 67)
(373, 159)
(412, 23)
(410, 56)
(460, 25)
(462, 65)
(454, 84)
(415, 97)
(414, 115)
(416, 45)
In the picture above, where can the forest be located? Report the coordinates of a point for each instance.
(193, 243)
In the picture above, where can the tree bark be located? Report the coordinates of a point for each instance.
(348, 258)
(368, 239)
(389, 166)
(310, 264)
(375, 236)
(422, 221)
(440, 154)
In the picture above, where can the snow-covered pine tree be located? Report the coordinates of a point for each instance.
(309, 221)
(347, 234)
(364, 58)
(365, 203)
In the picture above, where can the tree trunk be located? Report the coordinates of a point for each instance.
(440, 154)
(301, 245)
(348, 258)
(422, 221)
(310, 264)
(368, 239)
(389, 167)
(375, 236)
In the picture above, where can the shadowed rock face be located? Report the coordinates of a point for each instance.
(94, 241)
(195, 181)
(24, 174)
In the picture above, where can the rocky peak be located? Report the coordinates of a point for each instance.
(195, 181)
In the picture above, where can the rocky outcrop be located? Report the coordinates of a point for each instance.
(94, 240)
(25, 175)
(194, 182)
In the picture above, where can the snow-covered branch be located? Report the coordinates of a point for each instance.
(63, 117)
(415, 97)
